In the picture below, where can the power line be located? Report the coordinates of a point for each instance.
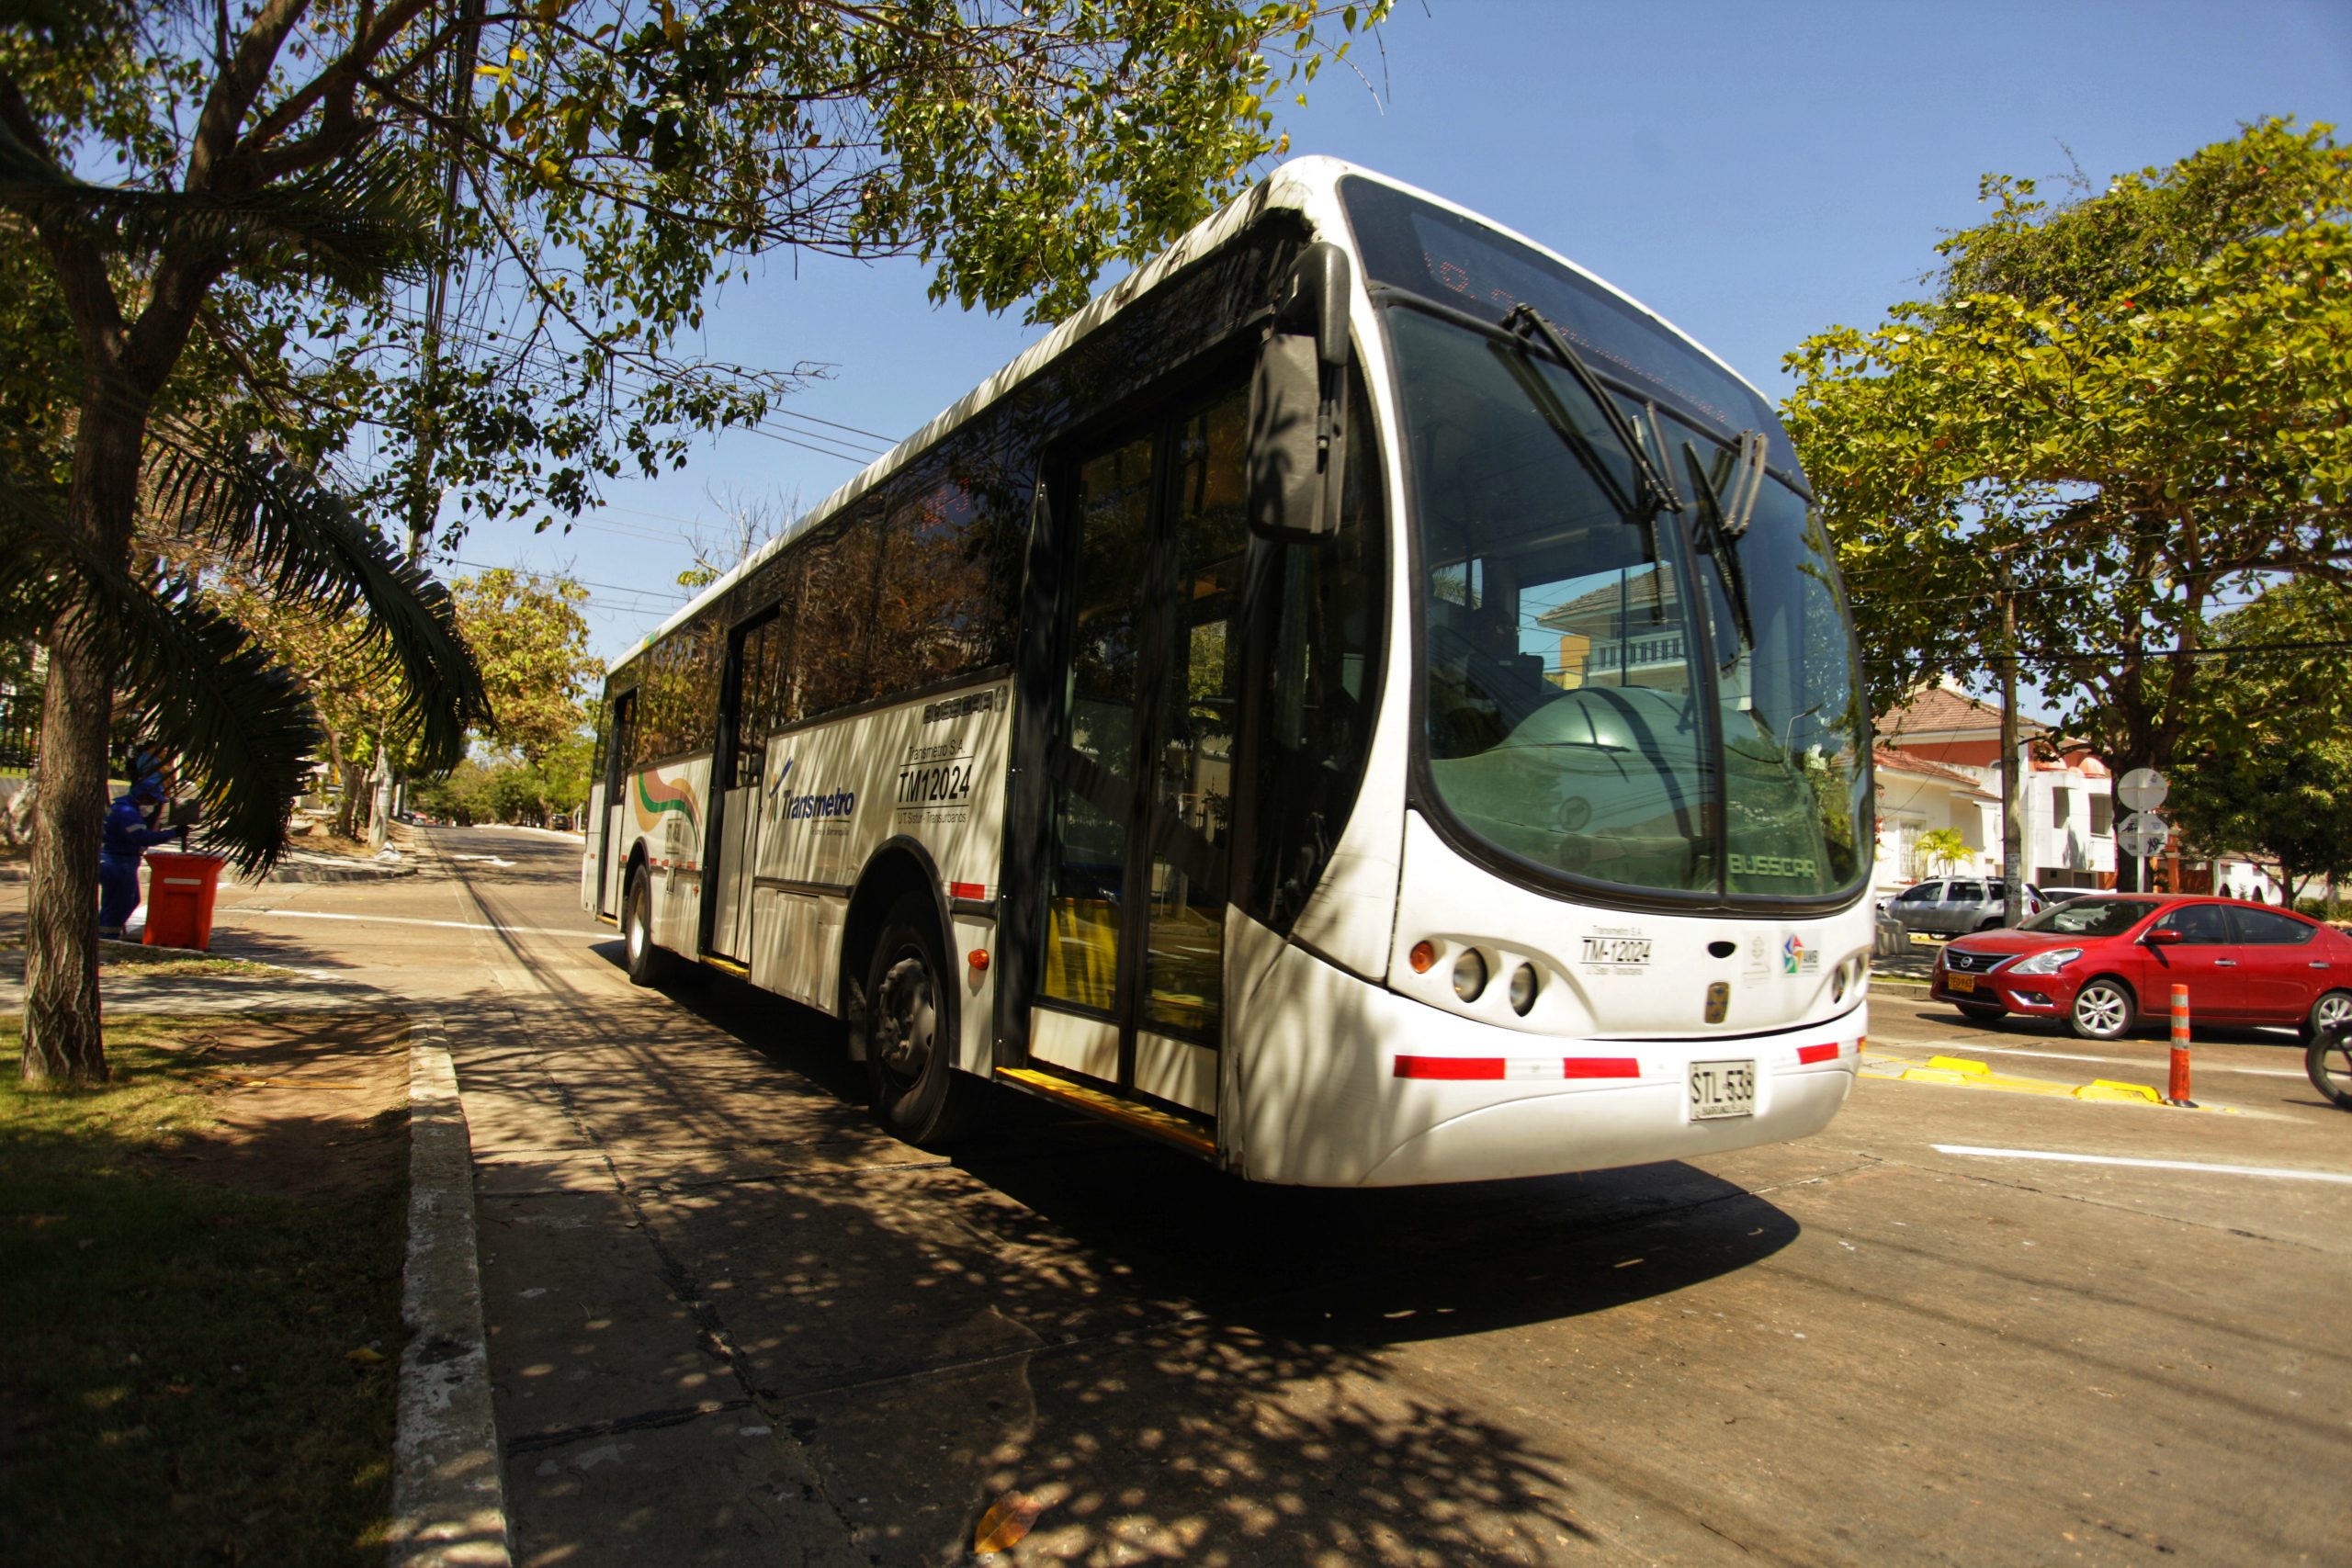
(679, 595)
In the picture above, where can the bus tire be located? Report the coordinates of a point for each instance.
(646, 964)
(910, 1043)
(2328, 1060)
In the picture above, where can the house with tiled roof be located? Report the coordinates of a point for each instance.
(1942, 736)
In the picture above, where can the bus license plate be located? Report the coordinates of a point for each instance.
(1960, 982)
(1722, 1088)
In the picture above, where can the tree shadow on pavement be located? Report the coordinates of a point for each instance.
(1174, 1364)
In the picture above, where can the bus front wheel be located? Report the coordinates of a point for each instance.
(646, 964)
(909, 1042)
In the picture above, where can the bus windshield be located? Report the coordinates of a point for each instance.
(1604, 685)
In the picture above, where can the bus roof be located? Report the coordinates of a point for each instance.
(1300, 185)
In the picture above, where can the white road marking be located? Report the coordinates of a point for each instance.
(2276, 1172)
(492, 859)
(404, 920)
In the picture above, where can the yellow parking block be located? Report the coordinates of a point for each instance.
(1960, 1072)
(2107, 1089)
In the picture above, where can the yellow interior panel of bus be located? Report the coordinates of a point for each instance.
(1083, 952)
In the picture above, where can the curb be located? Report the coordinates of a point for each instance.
(449, 1495)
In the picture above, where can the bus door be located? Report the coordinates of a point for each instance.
(1131, 984)
(621, 763)
(745, 718)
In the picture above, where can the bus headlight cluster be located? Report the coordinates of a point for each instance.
(1848, 976)
(1469, 974)
(1472, 974)
(1522, 988)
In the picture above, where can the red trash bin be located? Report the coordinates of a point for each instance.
(180, 890)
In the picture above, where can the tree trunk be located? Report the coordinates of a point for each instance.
(347, 798)
(64, 1039)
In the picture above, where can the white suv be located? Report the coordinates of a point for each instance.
(1954, 905)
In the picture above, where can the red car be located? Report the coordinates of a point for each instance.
(2106, 963)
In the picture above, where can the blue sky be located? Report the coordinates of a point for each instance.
(1752, 172)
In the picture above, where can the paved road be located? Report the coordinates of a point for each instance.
(733, 1322)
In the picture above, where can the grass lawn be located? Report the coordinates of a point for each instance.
(137, 958)
(199, 1280)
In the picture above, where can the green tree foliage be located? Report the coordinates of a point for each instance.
(318, 253)
(529, 642)
(531, 638)
(1943, 848)
(2127, 408)
(2266, 768)
(505, 787)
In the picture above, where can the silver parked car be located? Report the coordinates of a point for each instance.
(1954, 905)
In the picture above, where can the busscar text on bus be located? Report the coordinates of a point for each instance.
(1364, 702)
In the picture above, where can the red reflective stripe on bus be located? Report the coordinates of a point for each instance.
(1529, 1067)
(1601, 1067)
(1816, 1053)
(966, 890)
(1448, 1066)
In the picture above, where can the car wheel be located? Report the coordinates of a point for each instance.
(1979, 1013)
(2332, 1009)
(909, 1031)
(1993, 924)
(646, 962)
(2104, 1010)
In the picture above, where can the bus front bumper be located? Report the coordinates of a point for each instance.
(1365, 1087)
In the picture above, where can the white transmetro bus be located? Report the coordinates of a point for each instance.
(1364, 702)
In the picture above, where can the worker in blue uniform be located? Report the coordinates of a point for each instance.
(127, 840)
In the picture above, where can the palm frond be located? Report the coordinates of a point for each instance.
(241, 722)
(360, 222)
(307, 545)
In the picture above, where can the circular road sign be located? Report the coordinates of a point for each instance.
(2143, 789)
(2143, 834)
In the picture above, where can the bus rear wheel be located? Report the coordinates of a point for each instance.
(646, 964)
(910, 1032)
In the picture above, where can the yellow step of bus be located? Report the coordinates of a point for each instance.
(1159, 1123)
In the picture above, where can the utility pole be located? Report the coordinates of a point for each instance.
(456, 96)
(2012, 817)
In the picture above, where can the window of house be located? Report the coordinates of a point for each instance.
(2060, 804)
(2102, 815)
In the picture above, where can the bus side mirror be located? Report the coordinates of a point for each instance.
(1297, 404)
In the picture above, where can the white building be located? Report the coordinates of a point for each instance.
(1943, 737)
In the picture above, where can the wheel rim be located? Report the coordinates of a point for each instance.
(906, 1019)
(636, 936)
(2333, 1010)
(2100, 1009)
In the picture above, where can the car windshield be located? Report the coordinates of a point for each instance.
(2090, 917)
(1570, 714)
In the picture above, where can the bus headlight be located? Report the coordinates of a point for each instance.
(1469, 974)
(1522, 988)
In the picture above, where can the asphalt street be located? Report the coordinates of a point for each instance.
(733, 1321)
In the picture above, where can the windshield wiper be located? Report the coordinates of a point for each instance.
(1527, 323)
(1729, 503)
(1726, 506)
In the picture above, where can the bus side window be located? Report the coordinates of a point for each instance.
(621, 749)
(832, 644)
(940, 612)
(1314, 724)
